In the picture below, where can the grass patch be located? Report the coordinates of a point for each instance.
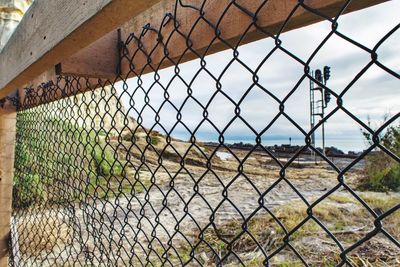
(381, 201)
(106, 188)
(342, 199)
(339, 213)
(382, 174)
(104, 159)
(155, 140)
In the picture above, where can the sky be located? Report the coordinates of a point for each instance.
(376, 93)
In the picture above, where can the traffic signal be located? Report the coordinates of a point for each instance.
(318, 75)
(327, 96)
(327, 73)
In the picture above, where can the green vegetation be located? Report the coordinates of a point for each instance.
(52, 160)
(382, 171)
(155, 140)
(104, 160)
(28, 190)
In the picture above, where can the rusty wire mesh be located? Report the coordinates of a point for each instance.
(97, 184)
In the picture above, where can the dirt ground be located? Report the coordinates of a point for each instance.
(236, 211)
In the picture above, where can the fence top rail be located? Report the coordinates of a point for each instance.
(62, 31)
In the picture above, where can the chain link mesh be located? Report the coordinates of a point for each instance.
(101, 179)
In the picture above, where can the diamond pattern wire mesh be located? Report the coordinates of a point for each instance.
(96, 184)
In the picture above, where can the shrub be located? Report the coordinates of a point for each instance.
(128, 137)
(155, 140)
(105, 163)
(27, 189)
(382, 171)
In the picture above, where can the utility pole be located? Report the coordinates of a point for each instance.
(319, 99)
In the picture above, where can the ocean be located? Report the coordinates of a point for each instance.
(355, 144)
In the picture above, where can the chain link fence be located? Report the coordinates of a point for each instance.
(123, 175)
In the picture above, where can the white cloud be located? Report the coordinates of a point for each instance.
(376, 92)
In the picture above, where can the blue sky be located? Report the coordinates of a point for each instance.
(373, 95)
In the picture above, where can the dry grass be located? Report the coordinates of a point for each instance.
(340, 213)
(43, 235)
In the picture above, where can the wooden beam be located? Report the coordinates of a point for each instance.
(91, 62)
(70, 34)
(7, 147)
(52, 31)
(99, 59)
(270, 18)
(7, 137)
